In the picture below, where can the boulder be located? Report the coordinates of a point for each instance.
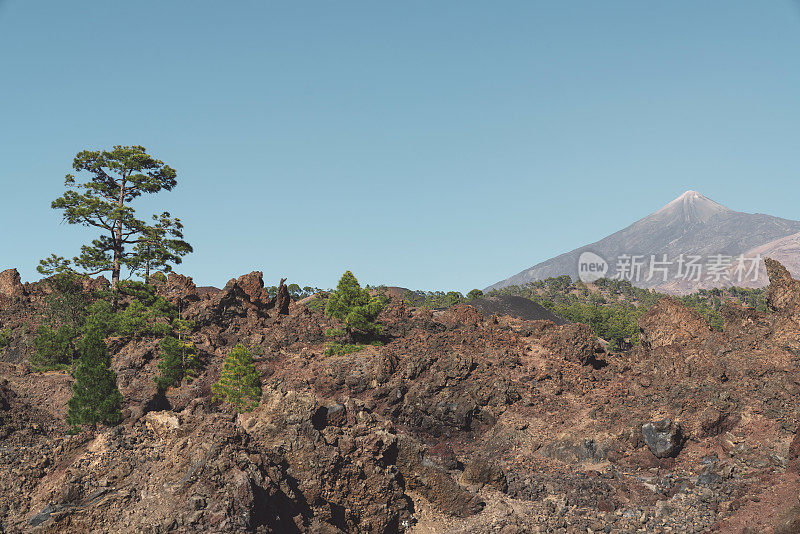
(669, 322)
(434, 483)
(664, 437)
(162, 421)
(332, 415)
(6, 394)
(574, 342)
(442, 455)
(483, 472)
(575, 450)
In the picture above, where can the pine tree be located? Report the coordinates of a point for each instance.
(95, 396)
(170, 364)
(240, 383)
(355, 307)
(179, 359)
(113, 180)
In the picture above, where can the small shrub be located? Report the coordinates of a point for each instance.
(334, 332)
(146, 314)
(53, 349)
(5, 338)
(68, 302)
(170, 364)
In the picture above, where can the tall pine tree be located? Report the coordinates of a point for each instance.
(95, 396)
(240, 383)
(103, 199)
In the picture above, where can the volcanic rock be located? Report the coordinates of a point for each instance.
(783, 294)
(10, 284)
(481, 471)
(282, 298)
(180, 288)
(793, 460)
(663, 437)
(575, 342)
(669, 322)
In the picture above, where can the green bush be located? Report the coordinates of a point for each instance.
(137, 320)
(334, 332)
(170, 364)
(67, 303)
(133, 311)
(139, 312)
(53, 348)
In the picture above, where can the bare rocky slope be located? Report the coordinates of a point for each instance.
(692, 224)
(462, 422)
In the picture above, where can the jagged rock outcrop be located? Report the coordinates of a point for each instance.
(793, 460)
(783, 294)
(482, 471)
(253, 285)
(10, 284)
(178, 289)
(6, 394)
(231, 302)
(344, 472)
(669, 322)
(282, 298)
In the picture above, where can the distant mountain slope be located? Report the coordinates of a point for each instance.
(692, 224)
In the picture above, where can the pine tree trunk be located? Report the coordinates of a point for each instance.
(117, 239)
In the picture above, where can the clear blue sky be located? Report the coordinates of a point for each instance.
(433, 145)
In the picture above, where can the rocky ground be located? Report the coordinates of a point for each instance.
(460, 423)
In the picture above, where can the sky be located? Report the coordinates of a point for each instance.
(430, 145)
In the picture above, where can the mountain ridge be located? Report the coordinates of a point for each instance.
(690, 225)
